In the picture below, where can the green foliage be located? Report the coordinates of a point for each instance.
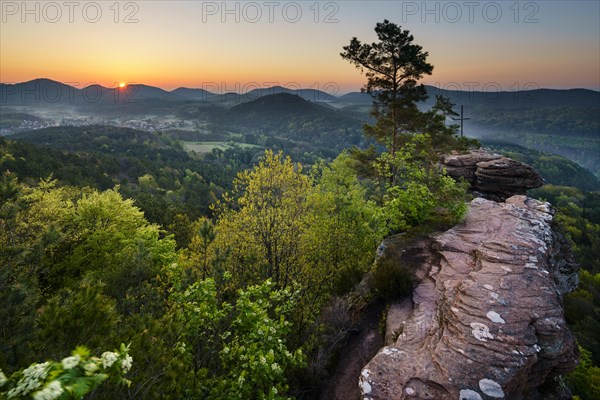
(182, 230)
(555, 170)
(582, 310)
(585, 380)
(570, 131)
(72, 317)
(419, 191)
(393, 66)
(201, 323)
(233, 351)
(257, 358)
(263, 221)
(391, 280)
(200, 247)
(73, 264)
(152, 168)
(579, 215)
(279, 225)
(412, 190)
(343, 230)
(72, 378)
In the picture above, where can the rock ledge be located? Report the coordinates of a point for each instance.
(487, 320)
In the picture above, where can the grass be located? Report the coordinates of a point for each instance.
(207, 147)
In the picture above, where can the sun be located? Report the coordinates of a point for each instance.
(122, 85)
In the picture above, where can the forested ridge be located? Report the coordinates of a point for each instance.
(148, 271)
(83, 266)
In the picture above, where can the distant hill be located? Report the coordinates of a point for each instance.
(46, 92)
(312, 95)
(38, 92)
(356, 98)
(49, 91)
(539, 98)
(563, 122)
(138, 91)
(555, 170)
(13, 119)
(281, 104)
(194, 94)
(289, 116)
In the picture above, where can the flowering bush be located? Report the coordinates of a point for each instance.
(234, 352)
(71, 378)
(256, 357)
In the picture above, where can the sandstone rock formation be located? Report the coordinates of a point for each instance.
(487, 319)
(494, 176)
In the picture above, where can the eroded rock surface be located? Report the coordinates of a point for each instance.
(487, 321)
(494, 176)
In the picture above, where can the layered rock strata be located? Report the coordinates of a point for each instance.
(491, 175)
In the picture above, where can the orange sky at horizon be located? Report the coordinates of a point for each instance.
(171, 46)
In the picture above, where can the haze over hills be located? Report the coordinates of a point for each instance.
(193, 94)
(562, 122)
(537, 97)
(44, 90)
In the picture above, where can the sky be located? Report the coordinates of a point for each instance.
(240, 45)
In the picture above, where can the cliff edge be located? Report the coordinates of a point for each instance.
(487, 320)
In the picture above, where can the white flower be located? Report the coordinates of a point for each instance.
(52, 391)
(3, 379)
(109, 358)
(36, 371)
(90, 367)
(31, 380)
(263, 360)
(126, 363)
(70, 362)
(12, 393)
(275, 367)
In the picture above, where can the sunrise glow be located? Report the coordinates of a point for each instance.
(197, 48)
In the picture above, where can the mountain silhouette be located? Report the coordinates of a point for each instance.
(193, 94)
(282, 104)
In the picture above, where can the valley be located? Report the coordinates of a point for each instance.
(307, 119)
